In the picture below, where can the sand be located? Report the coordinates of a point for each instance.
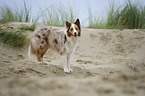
(106, 63)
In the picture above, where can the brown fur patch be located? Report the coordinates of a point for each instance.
(78, 24)
(38, 36)
(65, 39)
(60, 53)
(79, 33)
(55, 41)
(78, 30)
(48, 31)
(68, 24)
(70, 32)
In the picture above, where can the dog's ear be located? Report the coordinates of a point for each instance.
(68, 24)
(78, 23)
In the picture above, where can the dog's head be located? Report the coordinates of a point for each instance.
(73, 30)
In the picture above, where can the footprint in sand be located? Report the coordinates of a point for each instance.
(6, 61)
(93, 36)
(20, 57)
(84, 62)
(28, 71)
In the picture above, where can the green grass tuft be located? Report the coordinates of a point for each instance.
(94, 22)
(16, 39)
(57, 16)
(131, 16)
(9, 14)
(31, 28)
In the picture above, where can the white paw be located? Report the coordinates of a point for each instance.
(71, 70)
(39, 62)
(66, 70)
(43, 63)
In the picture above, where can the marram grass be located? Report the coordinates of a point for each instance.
(16, 39)
(131, 16)
(9, 14)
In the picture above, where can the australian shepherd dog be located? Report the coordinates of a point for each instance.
(63, 42)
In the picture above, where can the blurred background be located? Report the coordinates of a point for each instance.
(92, 13)
(106, 62)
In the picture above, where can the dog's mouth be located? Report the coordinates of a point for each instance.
(75, 36)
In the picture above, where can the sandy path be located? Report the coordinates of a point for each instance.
(106, 63)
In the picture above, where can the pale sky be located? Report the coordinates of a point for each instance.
(98, 7)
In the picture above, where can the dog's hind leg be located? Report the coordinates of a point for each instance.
(39, 58)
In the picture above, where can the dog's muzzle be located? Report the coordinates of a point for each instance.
(75, 34)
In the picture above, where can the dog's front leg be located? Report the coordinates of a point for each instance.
(64, 59)
(68, 63)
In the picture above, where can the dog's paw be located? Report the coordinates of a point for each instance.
(43, 63)
(71, 70)
(39, 62)
(66, 70)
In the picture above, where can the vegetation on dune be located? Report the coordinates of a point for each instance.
(131, 16)
(13, 38)
(94, 21)
(57, 16)
(9, 14)
(31, 28)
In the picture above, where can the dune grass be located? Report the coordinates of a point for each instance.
(131, 16)
(57, 15)
(94, 21)
(31, 28)
(12, 38)
(9, 14)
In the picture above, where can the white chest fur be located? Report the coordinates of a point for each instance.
(71, 45)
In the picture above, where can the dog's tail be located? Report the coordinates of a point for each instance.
(30, 51)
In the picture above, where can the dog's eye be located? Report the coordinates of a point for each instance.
(76, 29)
(71, 29)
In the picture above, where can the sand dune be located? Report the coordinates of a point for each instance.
(106, 63)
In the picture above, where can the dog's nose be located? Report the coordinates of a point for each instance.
(75, 33)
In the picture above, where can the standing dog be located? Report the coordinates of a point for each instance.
(63, 42)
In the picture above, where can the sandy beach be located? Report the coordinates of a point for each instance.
(107, 62)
